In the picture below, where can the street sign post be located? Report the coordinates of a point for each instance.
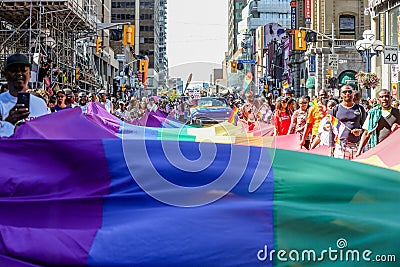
(333, 61)
(391, 54)
(246, 61)
(312, 66)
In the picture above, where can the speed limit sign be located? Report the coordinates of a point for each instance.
(391, 54)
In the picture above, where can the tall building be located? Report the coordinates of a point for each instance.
(256, 14)
(385, 20)
(61, 34)
(261, 12)
(234, 16)
(152, 33)
(337, 24)
(162, 48)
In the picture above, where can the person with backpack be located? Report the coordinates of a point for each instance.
(352, 117)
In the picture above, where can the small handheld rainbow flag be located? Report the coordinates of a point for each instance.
(233, 118)
(285, 84)
(337, 128)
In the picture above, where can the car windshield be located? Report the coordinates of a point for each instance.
(211, 102)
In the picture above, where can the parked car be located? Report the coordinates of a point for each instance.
(209, 110)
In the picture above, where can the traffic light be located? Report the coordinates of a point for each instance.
(333, 82)
(129, 35)
(311, 37)
(116, 34)
(142, 65)
(234, 66)
(123, 87)
(327, 80)
(98, 45)
(330, 72)
(240, 66)
(266, 88)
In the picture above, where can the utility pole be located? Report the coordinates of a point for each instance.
(137, 26)
(331, 39)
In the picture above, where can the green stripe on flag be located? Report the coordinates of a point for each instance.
(175, 134)
(322, 203)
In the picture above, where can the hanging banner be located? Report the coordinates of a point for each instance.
(382, 27)
(293, 16)
(188, 81)
(398, 30)
(273, 31)
(395, 73)
(394, 90)
(260, 38)
(307, 13)
(312, 69)
(248, 78)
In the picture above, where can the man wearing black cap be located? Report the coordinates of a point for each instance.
(17, 72)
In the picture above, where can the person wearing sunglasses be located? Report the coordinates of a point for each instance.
(299, 120)
(351, 116)
(281, 117)
(381, 121)
(249, 110)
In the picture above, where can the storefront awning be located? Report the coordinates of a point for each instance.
(310, 82)
(348, 78)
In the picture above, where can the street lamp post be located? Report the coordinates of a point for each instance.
(369, 47)
(331, 39)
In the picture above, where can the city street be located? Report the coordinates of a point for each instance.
(199, 133)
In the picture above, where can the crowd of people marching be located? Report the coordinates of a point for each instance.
(348, 124)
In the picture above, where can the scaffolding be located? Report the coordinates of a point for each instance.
(58, 31)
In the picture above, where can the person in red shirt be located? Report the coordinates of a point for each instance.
(281, 116)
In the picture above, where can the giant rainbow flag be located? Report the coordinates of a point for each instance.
(95, 198)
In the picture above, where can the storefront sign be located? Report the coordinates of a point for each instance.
(312, 64)
(307, 14)
(293, 15)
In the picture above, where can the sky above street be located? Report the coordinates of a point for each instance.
(197, 32)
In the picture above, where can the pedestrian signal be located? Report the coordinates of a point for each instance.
(300, 40)
(234, 66)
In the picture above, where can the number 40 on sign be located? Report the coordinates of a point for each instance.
(391, 55)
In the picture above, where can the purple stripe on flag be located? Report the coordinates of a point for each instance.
(99, 115)
(152, 119)
(68, 124)
(12, 262)
(51, 198)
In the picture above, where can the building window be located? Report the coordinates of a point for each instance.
(146, 17)
(123, 4)
(347, 24)
(146, 28)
